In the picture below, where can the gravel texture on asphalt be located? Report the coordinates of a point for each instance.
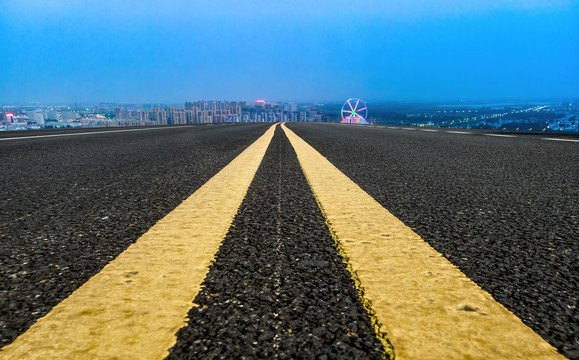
(69, 205)
(503, 210)
(277, 287)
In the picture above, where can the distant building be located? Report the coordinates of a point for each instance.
(69, 115)
(9, 118)
(52, 115)
(202, 112)
(36, 116)
(314, 115)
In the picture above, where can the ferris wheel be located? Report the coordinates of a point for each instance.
(354, 111)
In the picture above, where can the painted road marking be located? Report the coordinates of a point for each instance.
(501, 135)
(458, 132)
(135, 305)
(429, 130)
(92, 132)
(392, 127)
(408, 128)
(427, 307)
(556, 139)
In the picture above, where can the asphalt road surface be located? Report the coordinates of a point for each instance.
(502, 209)
(278, 288)
(71, 204)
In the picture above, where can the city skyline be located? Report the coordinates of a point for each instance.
(537, 117)
(137, 52)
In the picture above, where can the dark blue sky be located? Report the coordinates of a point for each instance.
(172, 51)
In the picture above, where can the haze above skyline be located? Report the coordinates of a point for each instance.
(140, 51)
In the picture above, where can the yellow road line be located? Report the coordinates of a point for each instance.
(427, 307)
(135, 305)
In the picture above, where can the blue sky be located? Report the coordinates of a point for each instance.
(172, 51)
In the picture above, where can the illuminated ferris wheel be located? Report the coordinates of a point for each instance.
(354, 111)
